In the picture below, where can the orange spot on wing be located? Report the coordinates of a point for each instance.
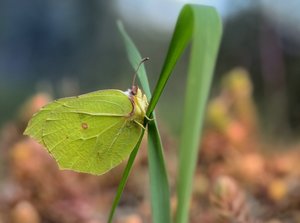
(84, 125)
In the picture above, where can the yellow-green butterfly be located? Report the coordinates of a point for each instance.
(93, 132)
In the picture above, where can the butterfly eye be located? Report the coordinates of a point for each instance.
(134, 90)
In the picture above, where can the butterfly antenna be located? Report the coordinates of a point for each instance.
(137, 69)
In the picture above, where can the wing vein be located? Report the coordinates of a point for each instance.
(114, 140)
(86, 100)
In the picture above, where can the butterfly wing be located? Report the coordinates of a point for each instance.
(90, 133)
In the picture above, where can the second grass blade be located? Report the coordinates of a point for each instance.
(160, 198)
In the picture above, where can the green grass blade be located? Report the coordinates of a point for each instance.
(202, 26)
(135, 58)
(181, 37)
(158, 176)
(206, 26)
(159, 186)
(125, 176)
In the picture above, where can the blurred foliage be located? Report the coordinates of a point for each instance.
(253, 41)
(43, 45)
(72, 47)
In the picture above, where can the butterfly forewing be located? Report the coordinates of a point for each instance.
(36, 124)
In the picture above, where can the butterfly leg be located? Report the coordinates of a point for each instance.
(139, 124)
(149, 119)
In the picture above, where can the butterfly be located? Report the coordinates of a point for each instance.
(93, 132)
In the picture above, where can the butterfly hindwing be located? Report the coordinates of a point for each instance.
(89, 133)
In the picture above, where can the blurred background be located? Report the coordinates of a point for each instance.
(72, 47)
(250, 147)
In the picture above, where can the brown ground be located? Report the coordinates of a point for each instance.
(238, 178)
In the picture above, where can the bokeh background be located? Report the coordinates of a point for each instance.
(249, 161)
(71, 47)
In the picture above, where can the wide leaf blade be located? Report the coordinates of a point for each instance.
(202, 26)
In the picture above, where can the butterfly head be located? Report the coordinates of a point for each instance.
(139, 102)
